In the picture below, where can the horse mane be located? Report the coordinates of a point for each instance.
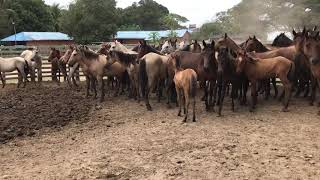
(125, 58)
(152, 49)
(282, 40)
(136, 48)
(90, 54)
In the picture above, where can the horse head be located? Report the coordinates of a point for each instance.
(209, 55)
(312, 47)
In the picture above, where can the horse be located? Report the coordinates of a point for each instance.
(227, 42)
(16, 63)
(73, 68)
(169, 46)
(227, 74)
(310, 47)
(152, 74)
(193, 47)
(34, 61)
(253, 44)
(57, 66)
(282, 41)
(186, 86)
(93, 66)
(204, 64)
(258, 69)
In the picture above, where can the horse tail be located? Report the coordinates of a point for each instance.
(26, 68)
(292, 73)
(193, 86)
(143, 77)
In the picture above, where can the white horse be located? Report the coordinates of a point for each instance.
(169, 46)
(34, 61)
(15, 63)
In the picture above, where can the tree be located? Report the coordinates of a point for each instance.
(147, 14)
(31, 15)
(173, 21)
(89, 21)
(129, 27)
(155, 38)
(6, 19)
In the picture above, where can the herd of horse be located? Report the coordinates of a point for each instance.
(215, 66)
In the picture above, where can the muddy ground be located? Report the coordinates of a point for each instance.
(52, 132)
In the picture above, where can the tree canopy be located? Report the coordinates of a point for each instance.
(85, 20)
(262, 17)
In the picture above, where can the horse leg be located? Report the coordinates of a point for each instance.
(274, 83)
(194, 109)
(212, 98)
(224, 86)
(179, 99)
(2, 80)
(186, 103)
(146, 99)
(94, 87)
(101, 83)
(88, 86)
(253, 95)
(307, 85)
(313, 90)
(203, 85)
(267, 89)
(287, 89)
(159, 86)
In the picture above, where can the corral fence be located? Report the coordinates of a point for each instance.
(14, 51)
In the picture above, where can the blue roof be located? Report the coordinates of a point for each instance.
(146, 34)
(37, 36)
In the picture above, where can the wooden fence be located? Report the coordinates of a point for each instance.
(13, 51)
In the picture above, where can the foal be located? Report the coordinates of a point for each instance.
(257, 69)
(186, 86)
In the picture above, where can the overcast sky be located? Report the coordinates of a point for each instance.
(197, 11)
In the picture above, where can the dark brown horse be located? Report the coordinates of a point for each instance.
(57, 66)
(204, 64)
(282, 41)
(258, 69)
(227, 74)
(227, 42)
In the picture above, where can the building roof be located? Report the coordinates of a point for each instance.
(146, 34)
(37, 36)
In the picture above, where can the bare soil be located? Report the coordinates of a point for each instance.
(51, 132)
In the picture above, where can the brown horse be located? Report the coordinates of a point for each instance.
(253, 44)
(204, 64)
(57, 66)
(310, 45)
(186, 85)
(93, 66)
(258, 69)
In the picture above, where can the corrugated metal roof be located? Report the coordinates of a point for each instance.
(146, 34)
(37, 36)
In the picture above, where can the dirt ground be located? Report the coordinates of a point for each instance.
(52, 132)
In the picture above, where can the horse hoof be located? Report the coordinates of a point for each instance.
(194, 119)
(311, 104)
(219, 115)
(285, 110)
(251, 110)
(169, 106)
(149, 108)
(319, 113)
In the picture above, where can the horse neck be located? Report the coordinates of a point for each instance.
(234, 46)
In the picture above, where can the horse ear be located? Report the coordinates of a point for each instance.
(213, 44)
(225, 35)
(304, 29)
(250, 37)
(294, 32)
(176, 41)
(195, 41)
(254, 37)
(144, 42)
(204, 43)
(315, 28)
(317, 35)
